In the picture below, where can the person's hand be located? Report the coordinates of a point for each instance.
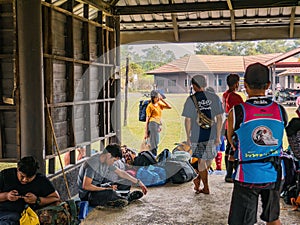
(188, 142)
(114, 187)
(146, 135)
(233, 147)
(218, 140)
(159, 96)
(30, 198)
(143, 187)
(13, 196)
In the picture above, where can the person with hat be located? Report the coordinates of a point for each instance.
(153, 119)
(203, 136)
(259, 124)
(23, 186)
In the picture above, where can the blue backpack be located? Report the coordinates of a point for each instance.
(152, 175)
(142, 110)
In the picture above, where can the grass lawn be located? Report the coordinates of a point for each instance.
(173, 122)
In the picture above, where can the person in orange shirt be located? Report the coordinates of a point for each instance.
(153, 119)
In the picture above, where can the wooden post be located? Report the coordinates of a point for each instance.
(126, 92)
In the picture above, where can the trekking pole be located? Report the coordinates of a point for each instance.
(57, 150)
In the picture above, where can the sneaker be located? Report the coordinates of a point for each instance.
(119, 203)
(134, 196)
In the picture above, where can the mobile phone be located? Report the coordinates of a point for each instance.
(21, 196)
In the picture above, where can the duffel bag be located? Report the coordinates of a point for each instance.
(179, 172)
(152, 175)
(66, 213)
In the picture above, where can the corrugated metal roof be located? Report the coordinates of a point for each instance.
(290, 71)
(198, 20)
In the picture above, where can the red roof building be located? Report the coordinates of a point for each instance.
(175, 76)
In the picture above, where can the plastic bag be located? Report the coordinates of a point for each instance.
(29, 217)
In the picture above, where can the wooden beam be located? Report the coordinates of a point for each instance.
(209, 34)
(113, 2)
(201, 6)
(229, 4)
(232, 21)
(98, 4)
(292, 22)
(232, 25)
(214, 20)
(174, 23)
(175, 27)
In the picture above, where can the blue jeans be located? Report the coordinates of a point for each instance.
(9, 218)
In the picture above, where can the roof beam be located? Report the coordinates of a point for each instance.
(231, 20)
(98, 4)
(201, 6)
(175, 27)
(114, 2)
(292, 21)
(175, 24)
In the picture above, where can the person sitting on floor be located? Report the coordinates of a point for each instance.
(23, 186)
(92, 180)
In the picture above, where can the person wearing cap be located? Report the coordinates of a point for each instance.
(259, 125)
(203, 138)
(153, 119)
(230, 99)
(94, 185)
(23, 186)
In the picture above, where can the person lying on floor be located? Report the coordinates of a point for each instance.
(93, 176)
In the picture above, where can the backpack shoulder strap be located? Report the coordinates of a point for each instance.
(195, 102)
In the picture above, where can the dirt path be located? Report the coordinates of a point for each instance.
(177, 204)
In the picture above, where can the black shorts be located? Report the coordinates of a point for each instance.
(244, 203)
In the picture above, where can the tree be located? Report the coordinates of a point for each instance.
(247, 47)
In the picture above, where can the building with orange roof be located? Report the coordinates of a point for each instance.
(174, 77)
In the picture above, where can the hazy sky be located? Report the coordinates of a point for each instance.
(178, 49)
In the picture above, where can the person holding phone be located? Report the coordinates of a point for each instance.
(23, 186)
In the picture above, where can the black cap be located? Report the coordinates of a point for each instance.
(257, 73)
(199, 81)
(154, 93)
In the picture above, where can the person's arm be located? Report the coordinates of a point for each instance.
(167, 105)
(188, 127)
(230, 128)
(9, 196)
(31, 198)
(146, 134)
(127, 176)
(148, 116)
(89, 186)
(219, 124)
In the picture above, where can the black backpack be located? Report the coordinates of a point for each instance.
(164, 155)
(144, 158)
(289, 168)
(142, 110)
